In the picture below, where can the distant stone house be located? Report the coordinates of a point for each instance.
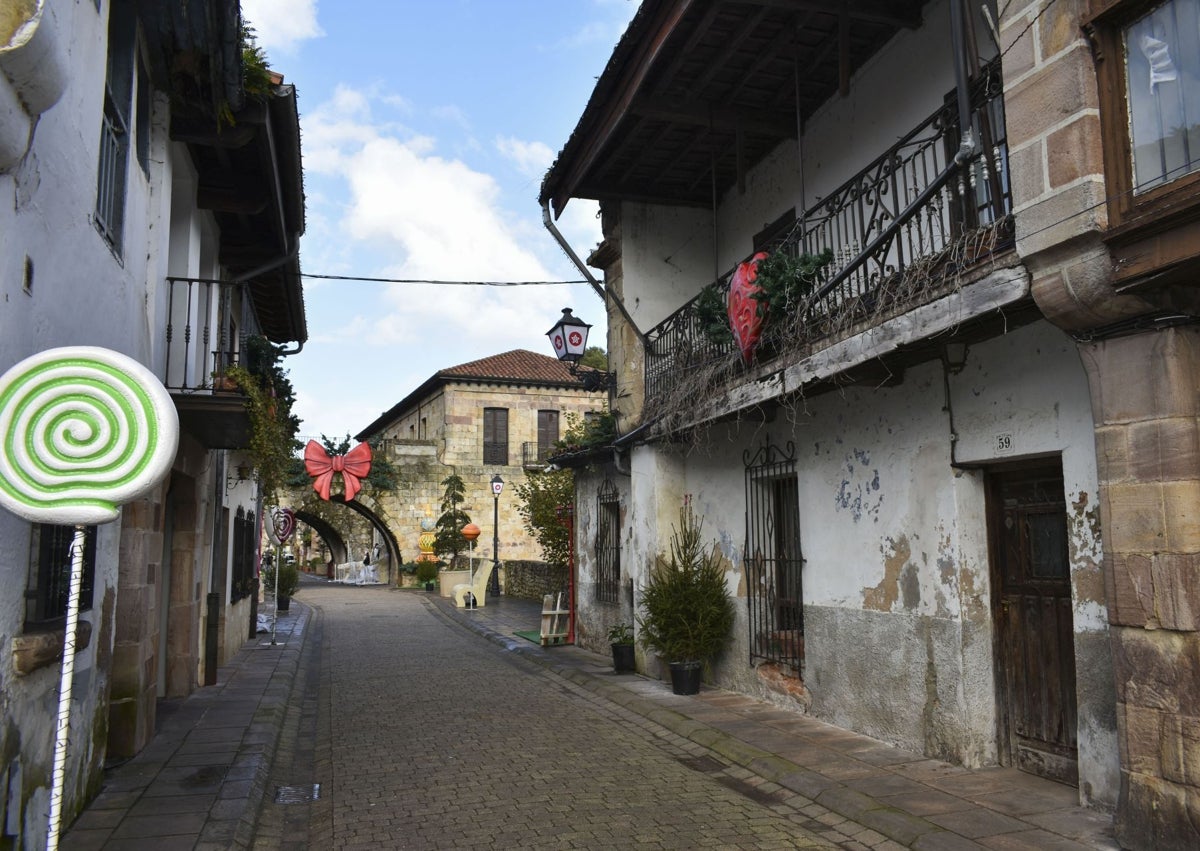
(500, 415)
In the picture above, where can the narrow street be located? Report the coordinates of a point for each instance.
(423, 735)
(420, 725)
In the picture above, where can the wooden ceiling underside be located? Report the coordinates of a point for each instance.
(704, 90)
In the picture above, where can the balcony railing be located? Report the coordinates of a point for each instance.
(535, 455)
(207, 326)
(909, 219)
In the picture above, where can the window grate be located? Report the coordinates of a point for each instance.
(773, 557)
(608, 544)
(49, 583)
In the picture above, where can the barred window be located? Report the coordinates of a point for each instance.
(244, 538)
(49, 583)
(774, 562)
(608, 544)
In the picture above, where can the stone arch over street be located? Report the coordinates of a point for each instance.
(366, 507)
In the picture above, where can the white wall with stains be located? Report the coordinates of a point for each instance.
(897, 597)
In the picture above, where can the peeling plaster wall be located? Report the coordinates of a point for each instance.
(897, 590)
(995, 396)
(594, 618)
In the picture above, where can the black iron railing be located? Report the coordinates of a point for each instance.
(535, 454)
(207, 325)
(774, 562)
(911, 204)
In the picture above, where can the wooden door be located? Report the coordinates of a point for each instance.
(1035, 649)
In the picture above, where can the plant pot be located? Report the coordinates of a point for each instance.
(624, 659)
(685, 677)
(431, 586)
(283, 603)
(449, 578)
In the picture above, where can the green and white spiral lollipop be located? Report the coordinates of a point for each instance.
(84, 431)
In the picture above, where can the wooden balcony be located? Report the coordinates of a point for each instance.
(904, 231)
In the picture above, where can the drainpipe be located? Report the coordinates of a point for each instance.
(958, 42)
(605, 294)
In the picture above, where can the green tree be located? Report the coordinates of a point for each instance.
(595, 357)
(538, 501)
(448, 536)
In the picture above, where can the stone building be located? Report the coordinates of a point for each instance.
(152, 206)
(956, 474)
(500, 415)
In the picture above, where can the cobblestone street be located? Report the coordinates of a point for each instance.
(429, 737)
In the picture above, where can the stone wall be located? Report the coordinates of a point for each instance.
(532, 580)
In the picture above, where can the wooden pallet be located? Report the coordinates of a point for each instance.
(556, 620)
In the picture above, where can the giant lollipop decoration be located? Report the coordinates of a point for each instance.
(84, 431)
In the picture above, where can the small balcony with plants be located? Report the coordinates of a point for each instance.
(912, 226)
(219, 367)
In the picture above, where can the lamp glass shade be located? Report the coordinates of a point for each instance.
(497, 485)
(471, 531)
(569, 337)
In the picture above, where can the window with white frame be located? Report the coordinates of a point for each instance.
(112, 166)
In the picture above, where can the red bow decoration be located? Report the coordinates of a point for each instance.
(354, 467)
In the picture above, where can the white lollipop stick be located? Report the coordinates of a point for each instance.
(65, 682)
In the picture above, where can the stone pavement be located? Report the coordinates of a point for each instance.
(858, 792)
(202, 783)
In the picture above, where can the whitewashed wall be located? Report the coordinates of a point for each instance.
(81, 294)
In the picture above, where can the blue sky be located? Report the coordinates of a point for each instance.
(426, 128)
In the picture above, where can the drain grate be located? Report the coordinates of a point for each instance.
(297, 794)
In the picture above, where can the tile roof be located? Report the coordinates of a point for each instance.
(517, 365)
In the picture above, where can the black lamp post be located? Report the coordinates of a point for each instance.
(569, 338)
(497, 486)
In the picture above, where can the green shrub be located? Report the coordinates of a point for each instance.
(289, 579)
(688, 613)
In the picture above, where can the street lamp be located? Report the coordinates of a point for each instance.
(497, 486)
(569, 338)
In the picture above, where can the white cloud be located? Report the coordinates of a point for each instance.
(386, 201)
(531, 158)
(282, 24)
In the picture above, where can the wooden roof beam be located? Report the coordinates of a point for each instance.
(888, 12)
(707, 116)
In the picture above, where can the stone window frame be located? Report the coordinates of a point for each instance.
(1131, 216)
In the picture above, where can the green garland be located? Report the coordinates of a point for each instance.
(786, 281)
(713, 316)
(271, 441)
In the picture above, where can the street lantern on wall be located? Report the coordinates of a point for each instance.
(569, 338)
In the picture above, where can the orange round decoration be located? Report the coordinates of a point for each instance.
(470, 531)
(746, 314)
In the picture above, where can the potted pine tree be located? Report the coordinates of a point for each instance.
(687, 612)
